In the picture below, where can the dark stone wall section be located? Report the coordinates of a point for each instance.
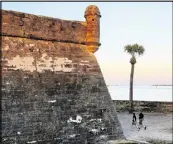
(145, 106)
(52, 92)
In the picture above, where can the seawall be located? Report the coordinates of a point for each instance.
(145, 106)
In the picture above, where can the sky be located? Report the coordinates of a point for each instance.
(147, 23)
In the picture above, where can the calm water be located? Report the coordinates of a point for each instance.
(143, 93)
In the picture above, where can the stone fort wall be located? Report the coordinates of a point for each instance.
(53, 90)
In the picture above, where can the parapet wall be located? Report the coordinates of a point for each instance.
(23, 25)
(53, 90)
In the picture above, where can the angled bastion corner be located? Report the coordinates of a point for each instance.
(53, 90)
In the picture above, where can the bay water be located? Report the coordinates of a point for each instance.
(142, 93)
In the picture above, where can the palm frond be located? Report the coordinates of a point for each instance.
(128, 49)
(134, 49)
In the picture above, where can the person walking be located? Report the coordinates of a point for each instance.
(134, 119)
(141, 119)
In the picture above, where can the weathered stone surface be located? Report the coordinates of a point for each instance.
(32, 26)
(92, 15)
(53, 91)
(145, 106)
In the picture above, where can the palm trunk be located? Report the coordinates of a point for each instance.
(131, 88)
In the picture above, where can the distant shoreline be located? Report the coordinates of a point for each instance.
(169, 102)
(162, 85)
(140, 85)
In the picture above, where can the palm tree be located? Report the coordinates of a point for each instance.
(133, 50)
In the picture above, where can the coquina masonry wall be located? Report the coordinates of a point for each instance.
(145, 106)
(53, 90)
